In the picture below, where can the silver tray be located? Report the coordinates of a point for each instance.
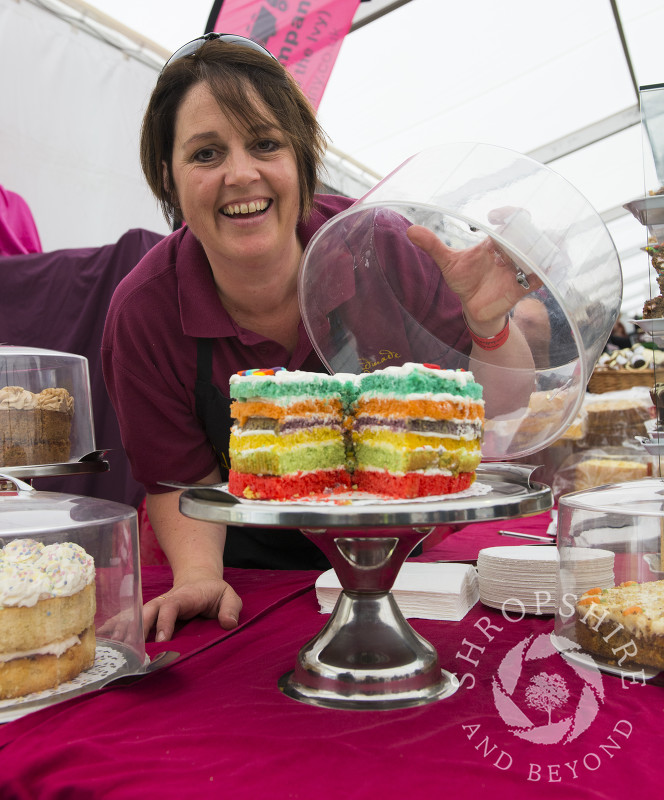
(648, 210)
(510, 493)
(114, 663)
(91, 463)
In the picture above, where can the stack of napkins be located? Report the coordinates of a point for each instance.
(423, 591)
(525, 578)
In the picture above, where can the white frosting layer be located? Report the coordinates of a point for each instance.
(50, 649)
(22, 585)
(462, 377)
(297, 376)
(30, 572)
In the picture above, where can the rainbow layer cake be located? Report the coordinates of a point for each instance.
(289, 437)
(417, 430)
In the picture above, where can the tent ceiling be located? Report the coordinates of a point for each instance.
(553, 80)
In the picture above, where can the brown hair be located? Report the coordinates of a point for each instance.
(235, 75)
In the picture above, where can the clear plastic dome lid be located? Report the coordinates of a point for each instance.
(48, 532)
(45, 407)
(370, 298)
(610, 543)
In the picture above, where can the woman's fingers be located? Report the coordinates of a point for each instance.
(161, 611)
(229, 609)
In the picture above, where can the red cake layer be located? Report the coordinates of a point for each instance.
(412, 484)
(287, 487)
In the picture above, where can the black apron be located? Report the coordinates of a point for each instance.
(248, 547)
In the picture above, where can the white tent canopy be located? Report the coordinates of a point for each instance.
(558, 81)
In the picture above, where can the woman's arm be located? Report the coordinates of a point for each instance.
(195, 552)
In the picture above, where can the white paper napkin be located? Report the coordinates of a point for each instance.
(423, 591)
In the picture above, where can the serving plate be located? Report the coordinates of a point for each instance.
(501, 491)
(114, 662)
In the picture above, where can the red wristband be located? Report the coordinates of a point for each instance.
(490, 342)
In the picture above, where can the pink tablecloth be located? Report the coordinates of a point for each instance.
(214, 723)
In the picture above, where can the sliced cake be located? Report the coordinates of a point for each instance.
(624, 624)
(288, 438)
(417, 430)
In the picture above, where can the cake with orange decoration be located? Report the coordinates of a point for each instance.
(623, 624)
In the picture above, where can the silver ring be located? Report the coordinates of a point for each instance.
(521, 279)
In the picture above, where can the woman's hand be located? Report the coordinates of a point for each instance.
(195, 552)
(482, 276)
(193, 594)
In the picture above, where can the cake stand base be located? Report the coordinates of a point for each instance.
(368, 656)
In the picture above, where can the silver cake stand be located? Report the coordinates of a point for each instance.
(92, 463)
(368, 656)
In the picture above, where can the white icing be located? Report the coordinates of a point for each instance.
(431, 471)
(50, 649)
(23, 585)
(30, 572)
(288, 376)
(21, 551)
(460, 376)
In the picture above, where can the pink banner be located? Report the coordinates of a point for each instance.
(305, 35)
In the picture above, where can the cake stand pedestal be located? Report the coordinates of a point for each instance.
(368, 656)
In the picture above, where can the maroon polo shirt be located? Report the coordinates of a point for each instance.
(148, 353)
(362, 291)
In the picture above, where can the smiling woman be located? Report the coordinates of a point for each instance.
(232, 150)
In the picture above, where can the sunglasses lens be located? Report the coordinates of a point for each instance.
(230, 38)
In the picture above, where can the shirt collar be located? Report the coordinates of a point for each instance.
(202, 313)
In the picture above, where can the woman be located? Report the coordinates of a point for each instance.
(231, 147)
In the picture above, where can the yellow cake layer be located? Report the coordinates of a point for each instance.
(36, 673)
(284, 441)
(400, 460)
(411, 440)
(28, 627)
(420, 408)
(283, 461)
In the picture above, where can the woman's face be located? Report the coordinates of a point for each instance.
(238, 191)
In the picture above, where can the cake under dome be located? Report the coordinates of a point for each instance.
(45, 408)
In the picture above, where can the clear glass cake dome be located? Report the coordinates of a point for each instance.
(608, 536)
(45, 407)
(108, 533)
(370, 298)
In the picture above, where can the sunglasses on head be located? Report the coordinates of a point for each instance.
(229, 38)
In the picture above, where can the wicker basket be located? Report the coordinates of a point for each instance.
(614, 380)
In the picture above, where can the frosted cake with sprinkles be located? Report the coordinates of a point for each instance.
(47, 612)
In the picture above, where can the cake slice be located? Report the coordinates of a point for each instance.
(623, 624)
(417, 430)
(288, 438)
